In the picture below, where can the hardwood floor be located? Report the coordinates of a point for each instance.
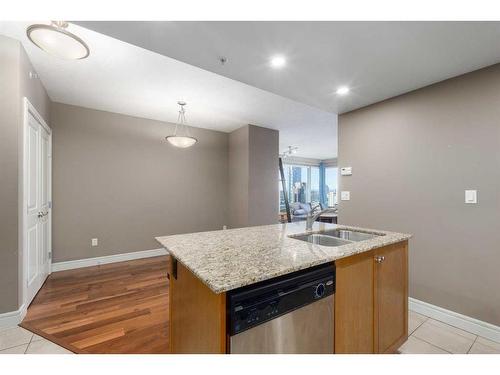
(113, 308)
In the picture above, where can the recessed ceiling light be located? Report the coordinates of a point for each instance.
(342, 90)
(278, 61)
(56, 40)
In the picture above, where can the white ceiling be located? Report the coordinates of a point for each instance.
(168, 61)
(377, 60)
(123, 78)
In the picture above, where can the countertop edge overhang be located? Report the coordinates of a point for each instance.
(229, 259)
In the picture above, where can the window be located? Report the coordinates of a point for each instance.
(315, 185)
(331, 186)
(302, 184)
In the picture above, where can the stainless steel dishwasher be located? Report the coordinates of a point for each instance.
(292, 314)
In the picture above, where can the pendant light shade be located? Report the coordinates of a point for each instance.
(182, 142)
(57, 41)
(181, 137)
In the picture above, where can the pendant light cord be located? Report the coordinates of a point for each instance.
(181, 120)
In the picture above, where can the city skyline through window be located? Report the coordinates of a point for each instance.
(303, 185)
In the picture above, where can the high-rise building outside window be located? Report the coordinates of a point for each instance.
(303, 185)
(331, 185)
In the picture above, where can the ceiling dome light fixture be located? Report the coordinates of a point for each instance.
(57, 41)
(343, 90)
(181, 141)
(278, 61)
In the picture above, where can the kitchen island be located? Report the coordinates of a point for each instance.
(371, 297)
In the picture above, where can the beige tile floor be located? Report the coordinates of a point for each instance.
(427, 336)
(17, 340)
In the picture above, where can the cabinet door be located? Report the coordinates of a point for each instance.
(391, 297)
(354, 302)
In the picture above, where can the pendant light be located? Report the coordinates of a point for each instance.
(183, 139)
(57, 41)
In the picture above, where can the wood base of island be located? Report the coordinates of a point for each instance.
(197, 316)
(371, 306)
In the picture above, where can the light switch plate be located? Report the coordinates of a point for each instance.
(94, 242)
(345, 195)
(471, 196)
(346, 171)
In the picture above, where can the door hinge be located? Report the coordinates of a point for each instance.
(50, 204)
(50, 254)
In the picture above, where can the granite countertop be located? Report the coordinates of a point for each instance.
(229, 259)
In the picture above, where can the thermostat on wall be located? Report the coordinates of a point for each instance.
(346, 171)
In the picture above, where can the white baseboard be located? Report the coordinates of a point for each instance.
(12, 318)
(452, 318)
(80, 263)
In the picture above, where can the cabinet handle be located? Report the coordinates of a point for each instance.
(379, 259)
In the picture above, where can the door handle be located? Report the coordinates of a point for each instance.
(40, 215)
(379, 259)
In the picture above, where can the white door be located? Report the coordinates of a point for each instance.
(37, 204)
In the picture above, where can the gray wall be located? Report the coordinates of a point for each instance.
(253, 176)
(115, 178)
(238, 177)
(14, 85)
(412, 158)
(263, 184)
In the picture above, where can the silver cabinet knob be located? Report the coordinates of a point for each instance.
(379, 259)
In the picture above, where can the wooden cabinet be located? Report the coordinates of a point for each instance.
(390, 297)
(354, 304)
(197, 316)
(371, 301)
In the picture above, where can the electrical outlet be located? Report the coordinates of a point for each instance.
(94, 242)
(224, 227)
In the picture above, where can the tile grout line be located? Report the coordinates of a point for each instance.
(468, 351)
(12, 347)
(27, 346)
(431, 344)
(15, 346)
(426, 318)
(459, 329)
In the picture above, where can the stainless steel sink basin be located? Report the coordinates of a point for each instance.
(349, 235)
(320, 239)
(334, 237)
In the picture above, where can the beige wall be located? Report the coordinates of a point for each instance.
(14, 85)
(412, 158)
(253, 176)
(115, 178)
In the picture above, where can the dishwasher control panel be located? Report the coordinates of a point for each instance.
(258, 303)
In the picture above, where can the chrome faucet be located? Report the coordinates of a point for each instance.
(311, 218)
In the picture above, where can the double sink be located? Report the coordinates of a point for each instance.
(334, 237)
